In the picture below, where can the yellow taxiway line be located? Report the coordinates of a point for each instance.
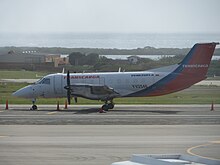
(189, 151)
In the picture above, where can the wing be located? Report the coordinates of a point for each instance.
(93, 91)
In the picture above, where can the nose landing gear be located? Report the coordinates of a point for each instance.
(34, 106)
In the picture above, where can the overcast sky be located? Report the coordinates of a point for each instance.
(157, 16)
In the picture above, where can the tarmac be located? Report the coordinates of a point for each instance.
(120, 115)
(81, 135)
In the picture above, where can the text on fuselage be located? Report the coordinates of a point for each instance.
(196, 66)
(83, 77)
(139, 86)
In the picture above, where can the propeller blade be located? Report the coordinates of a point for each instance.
(68, 87)
(68, 78)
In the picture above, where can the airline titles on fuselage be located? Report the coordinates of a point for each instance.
(196, 66)
(141, 75)
(83, 77)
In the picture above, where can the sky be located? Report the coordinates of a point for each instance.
(111, 16)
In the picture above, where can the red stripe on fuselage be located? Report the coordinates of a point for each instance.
(179, 83)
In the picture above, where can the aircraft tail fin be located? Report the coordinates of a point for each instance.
(197, 60)
(191, 70)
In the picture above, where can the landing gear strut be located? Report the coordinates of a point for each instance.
(34, 106)
(108, 105)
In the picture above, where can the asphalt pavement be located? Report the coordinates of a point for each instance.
(81, 135)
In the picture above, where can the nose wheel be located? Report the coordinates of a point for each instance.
(34, 106)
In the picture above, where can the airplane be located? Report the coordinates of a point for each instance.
(109, 85)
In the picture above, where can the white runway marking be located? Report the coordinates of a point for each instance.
(50, 113)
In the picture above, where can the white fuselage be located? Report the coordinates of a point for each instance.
(124, 83)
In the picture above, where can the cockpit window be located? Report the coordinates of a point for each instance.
(43, 81)
(38, 81)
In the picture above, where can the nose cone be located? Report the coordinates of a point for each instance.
(25, 92)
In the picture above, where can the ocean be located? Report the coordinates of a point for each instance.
(106, 40)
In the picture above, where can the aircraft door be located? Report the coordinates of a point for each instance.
(58, 84)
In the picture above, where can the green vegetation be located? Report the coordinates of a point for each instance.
(91, 63)
(87, 59)
(77, 58)
(193, 95)
(20, 74)
(138, 51)
(214, 68)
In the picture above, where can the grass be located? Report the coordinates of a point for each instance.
(20, 74)
(192, 95)
(23, 74)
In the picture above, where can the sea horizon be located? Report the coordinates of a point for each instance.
(106, 40)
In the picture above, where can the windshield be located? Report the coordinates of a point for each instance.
(43, 81)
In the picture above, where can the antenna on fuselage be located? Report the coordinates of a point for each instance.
(63, 71)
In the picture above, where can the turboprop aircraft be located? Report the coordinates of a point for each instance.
(110, 85)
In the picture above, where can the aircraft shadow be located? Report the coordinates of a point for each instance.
(150, 111)
(86, 111)
(121, 111)
(96, 110)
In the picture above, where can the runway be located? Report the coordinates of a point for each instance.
(81, 135)
(121, 115)
(100, 144)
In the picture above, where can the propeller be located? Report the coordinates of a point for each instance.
(68, 87)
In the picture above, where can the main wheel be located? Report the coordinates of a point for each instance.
(105, 107)
(111, 106)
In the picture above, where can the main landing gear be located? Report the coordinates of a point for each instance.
(108, 105)
(34, 106)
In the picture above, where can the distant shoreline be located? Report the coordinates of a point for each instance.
(101, 51)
